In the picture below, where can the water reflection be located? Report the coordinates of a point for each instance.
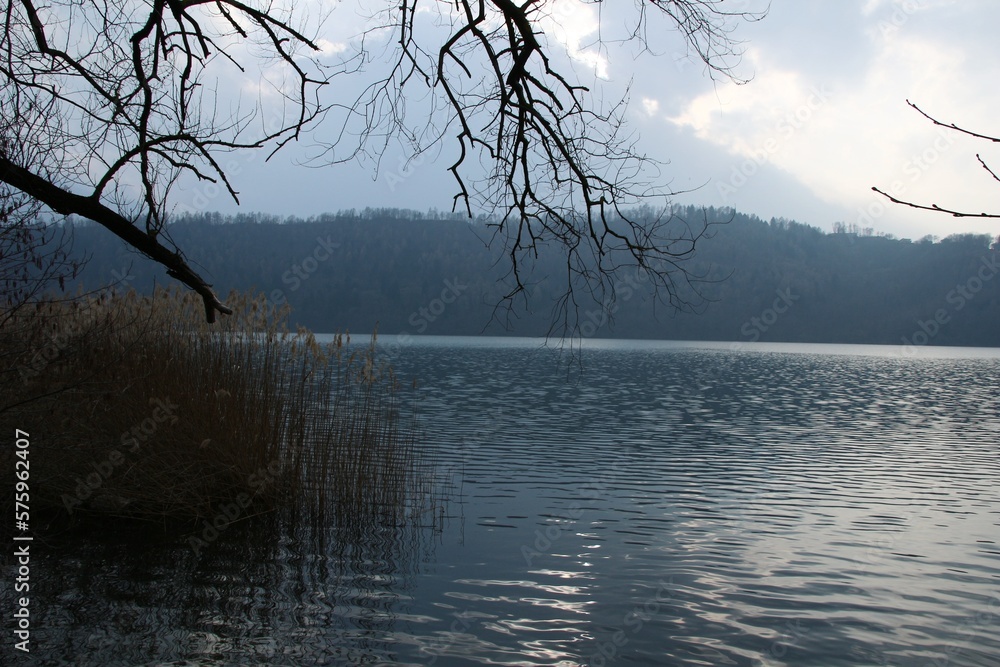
(669, 506)
(802, 508)
(307, 585)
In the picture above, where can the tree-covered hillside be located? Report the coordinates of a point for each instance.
(434, 274)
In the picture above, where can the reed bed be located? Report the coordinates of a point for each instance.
(143, 410)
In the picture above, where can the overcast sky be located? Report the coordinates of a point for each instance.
(822, 119)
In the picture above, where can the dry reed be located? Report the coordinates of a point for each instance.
(143, 410)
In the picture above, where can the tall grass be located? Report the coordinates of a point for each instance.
(143, 410)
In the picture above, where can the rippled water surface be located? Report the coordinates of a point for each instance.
(657, 504)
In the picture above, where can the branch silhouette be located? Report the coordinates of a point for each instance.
(941, 209)
(120, 99)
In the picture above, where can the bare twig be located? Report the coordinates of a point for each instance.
(561, 171)
(934, 207)
(109, 93)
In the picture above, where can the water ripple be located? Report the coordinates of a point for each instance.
(671, 505)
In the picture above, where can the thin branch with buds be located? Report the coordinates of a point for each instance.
(941, 209)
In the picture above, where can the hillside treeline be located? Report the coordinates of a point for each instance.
(774, 280)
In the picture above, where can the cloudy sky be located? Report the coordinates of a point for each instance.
(822, 119)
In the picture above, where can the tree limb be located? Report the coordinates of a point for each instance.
(65, 202)
(936, 208)
(952, 126)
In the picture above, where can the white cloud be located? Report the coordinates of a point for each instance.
(841, 140)
(830, 143)
(328, 48)
(871, 6)
(571, 22)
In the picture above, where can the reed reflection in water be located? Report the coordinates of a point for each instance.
(270, 590)
(674, 505)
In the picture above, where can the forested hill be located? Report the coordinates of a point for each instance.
(433, 274)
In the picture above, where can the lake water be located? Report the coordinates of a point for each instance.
(653, 504)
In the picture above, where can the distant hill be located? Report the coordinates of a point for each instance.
(433, 274)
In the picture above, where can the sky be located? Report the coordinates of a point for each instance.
(821, 118)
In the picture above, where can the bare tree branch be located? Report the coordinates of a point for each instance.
(64, 202)
(987, 168)
(952, 126)
(561, 171)
(119, 92)
(115, 90)
(934, 207)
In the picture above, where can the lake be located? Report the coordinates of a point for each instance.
(633, 503)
